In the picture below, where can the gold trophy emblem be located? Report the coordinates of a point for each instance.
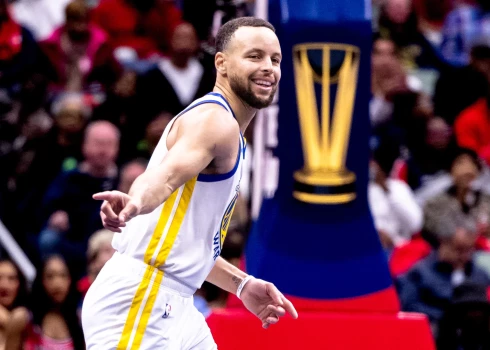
(318, 69)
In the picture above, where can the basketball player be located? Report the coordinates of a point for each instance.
(172, 224)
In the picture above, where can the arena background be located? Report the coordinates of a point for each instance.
(366, 191)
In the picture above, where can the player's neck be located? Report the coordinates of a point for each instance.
(243, 112)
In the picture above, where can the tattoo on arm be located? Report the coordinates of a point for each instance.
(236, 280)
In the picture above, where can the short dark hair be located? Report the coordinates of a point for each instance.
(229, 28)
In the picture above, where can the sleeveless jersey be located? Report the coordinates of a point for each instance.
(184, 236)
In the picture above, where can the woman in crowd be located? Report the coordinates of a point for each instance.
(13, 292)
(54, 323)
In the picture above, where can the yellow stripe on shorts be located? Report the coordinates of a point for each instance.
(174, 227)
(133, 311)
(145, 316)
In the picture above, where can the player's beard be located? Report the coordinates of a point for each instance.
(243, 89)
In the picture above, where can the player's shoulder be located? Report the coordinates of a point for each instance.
(210, 117)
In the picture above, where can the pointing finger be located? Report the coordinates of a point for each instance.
(106, 195)
(288, 306)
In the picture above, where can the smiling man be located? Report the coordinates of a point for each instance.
(172, 224)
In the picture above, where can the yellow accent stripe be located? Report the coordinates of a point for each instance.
(133, 311)
(176, 223)
(145, 316)
(160, 227)
(173, 230)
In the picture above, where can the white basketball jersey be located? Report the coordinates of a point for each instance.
(184, 236)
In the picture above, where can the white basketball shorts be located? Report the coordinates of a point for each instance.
(132, 305)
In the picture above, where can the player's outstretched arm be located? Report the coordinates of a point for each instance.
(261, 298)
(199, 139)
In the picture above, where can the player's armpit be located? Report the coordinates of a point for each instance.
(199, 139)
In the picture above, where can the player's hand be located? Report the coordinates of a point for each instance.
(117, 209)
(265, 301)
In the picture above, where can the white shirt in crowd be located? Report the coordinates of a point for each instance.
(395, 212)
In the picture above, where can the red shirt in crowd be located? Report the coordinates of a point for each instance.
(472, 129)
(147, 33)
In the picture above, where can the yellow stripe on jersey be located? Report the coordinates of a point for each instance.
(160, 227)
(145, 316)
(174, 227)
(133, 311)
(176, 223)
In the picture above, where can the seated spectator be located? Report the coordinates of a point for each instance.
(13, 297)
(466, 323)
(79, 52)
(181, 77)
(472, 126)
(459, 200)
(396, 214)
(428, 286)
(399, 23)
(431, 151)
(54, 303)
(129, 172)
(41, 160)
(70, 213)
(153, 133)
(146, 26)
(459, 87)
(388, 80)
(20, 56)
(98, 253)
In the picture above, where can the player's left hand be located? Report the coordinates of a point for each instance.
(265, 301)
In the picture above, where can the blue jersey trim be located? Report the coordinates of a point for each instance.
(201, 103)
(220, 177)
(217, 94)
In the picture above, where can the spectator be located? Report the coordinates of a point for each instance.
(43, 159)
(181, 78)
(71, 213)
(472, 126)
(459, 200)
(129, 172)
(153, 133)
(13, 297)
(54, 302)
(19, 54)
(388, 80)
(428, 286)
(459, 87)
(432, 150)
(396, 214)
(466, 323)
(98, 253)
(399, 23)
(79, 52)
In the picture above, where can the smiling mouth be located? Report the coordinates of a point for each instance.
(263, 83)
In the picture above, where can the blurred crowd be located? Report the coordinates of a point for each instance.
(429, 189)
(88, 86)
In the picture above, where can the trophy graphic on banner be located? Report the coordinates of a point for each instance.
(322, 70)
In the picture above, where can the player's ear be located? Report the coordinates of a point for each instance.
(220, 63)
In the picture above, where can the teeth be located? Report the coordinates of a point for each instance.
(263, 82)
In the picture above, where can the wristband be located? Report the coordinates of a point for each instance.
(242, 284)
